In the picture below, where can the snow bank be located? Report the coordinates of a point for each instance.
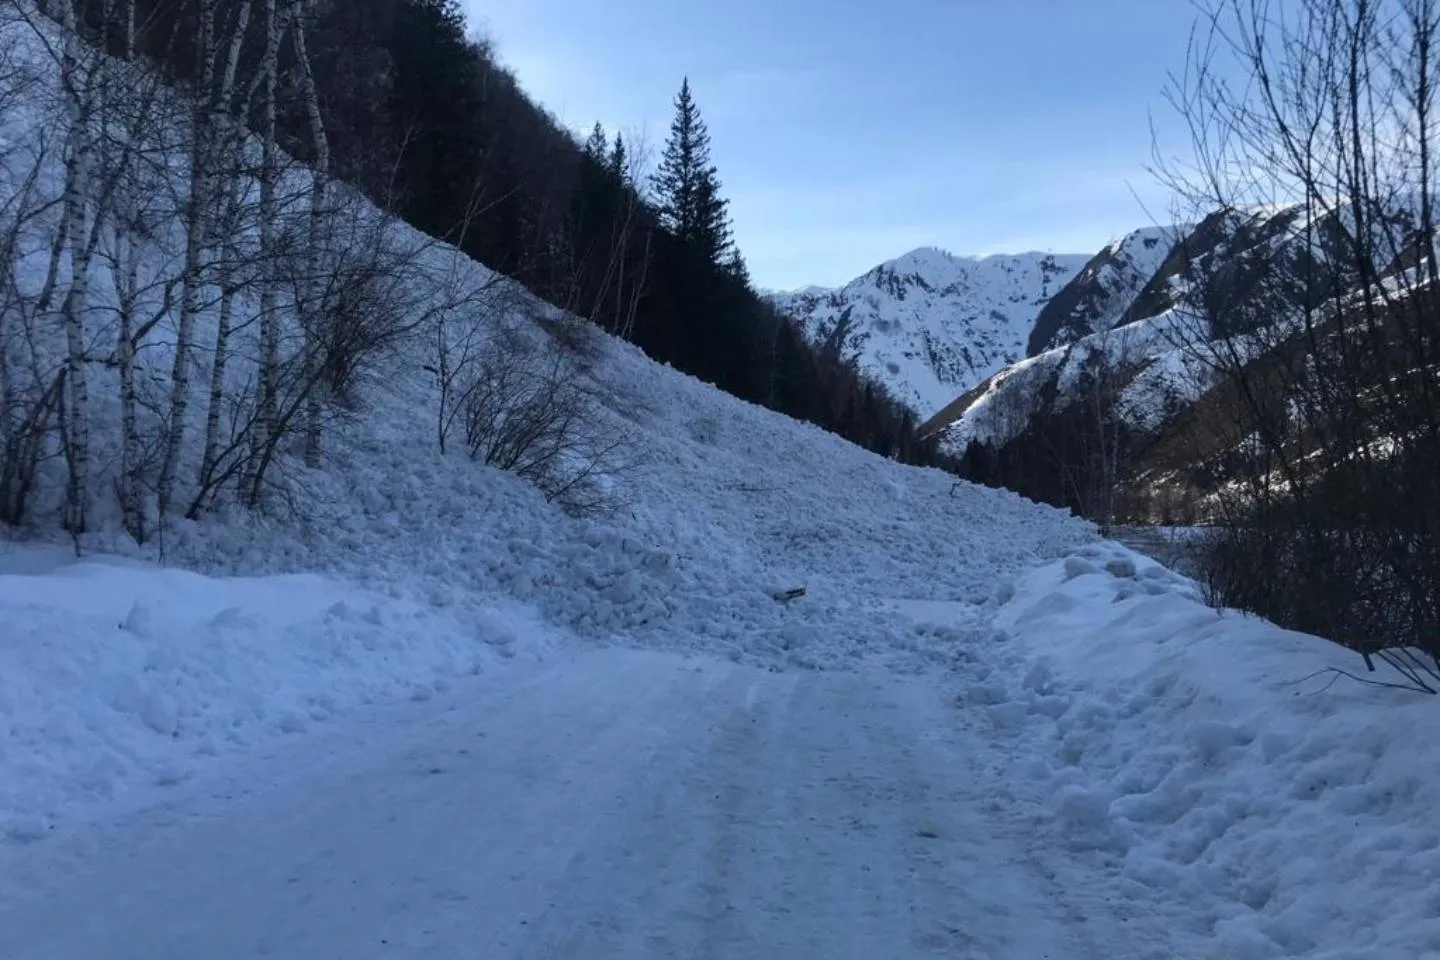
(115, 673)
(401, 567)
(1215, 768)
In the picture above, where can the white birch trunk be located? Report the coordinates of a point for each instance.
(77, 84)
(314, 406)
(232, 151)
(232, 57)
(128, 31)
(217, 383)
(57, 253)
(267, 417)
(196, 217)
(127, 289)
(127, 281)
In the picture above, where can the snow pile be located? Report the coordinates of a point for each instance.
(410, 567)
(1214, 767)
(114, 673)
(723, 506)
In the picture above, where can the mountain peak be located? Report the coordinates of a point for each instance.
(920, 260)
(930, 324)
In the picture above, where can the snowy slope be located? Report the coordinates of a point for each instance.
(435, 565)
(931, 325)
(1099, 295)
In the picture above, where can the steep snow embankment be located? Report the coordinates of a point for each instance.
(117, 673)
(931, 325)
(1211, 766)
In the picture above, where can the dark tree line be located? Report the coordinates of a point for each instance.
(429, 124)
(1074, 451)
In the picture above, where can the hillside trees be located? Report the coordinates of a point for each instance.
(266, 283)
(211, 295)
(1061, 435)
(687, 186)
(721, 321)
(1338, 392)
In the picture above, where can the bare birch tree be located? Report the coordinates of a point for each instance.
(197, 220)
(1333, 363)
(314, 415)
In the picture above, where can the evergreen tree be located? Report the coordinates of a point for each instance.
(619, 160)
(735, 266)
(688, 187)
(598, 145)
(712, 236)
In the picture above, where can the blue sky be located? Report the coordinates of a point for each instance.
(848, 132)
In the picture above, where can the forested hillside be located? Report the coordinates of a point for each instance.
(243, 314)
(431, 125)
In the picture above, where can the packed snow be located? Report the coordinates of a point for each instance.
(1217, 767)
(1086, 762)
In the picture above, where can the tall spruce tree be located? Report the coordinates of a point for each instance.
(736, 267)
(619, 160)
(687, 186)
(598, 144)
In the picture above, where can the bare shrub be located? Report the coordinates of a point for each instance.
(462, 334)
(26, 426)
(357, 321)
(527, 411)
(578, 339)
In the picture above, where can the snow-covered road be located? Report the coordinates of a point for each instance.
(614, 804)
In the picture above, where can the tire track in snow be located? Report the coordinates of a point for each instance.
(627, 805)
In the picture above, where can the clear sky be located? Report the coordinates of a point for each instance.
(847, 132)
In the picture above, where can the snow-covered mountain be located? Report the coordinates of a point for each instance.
(1133, 321)
(1121, 307)
(931, 325)
(1100, 294)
